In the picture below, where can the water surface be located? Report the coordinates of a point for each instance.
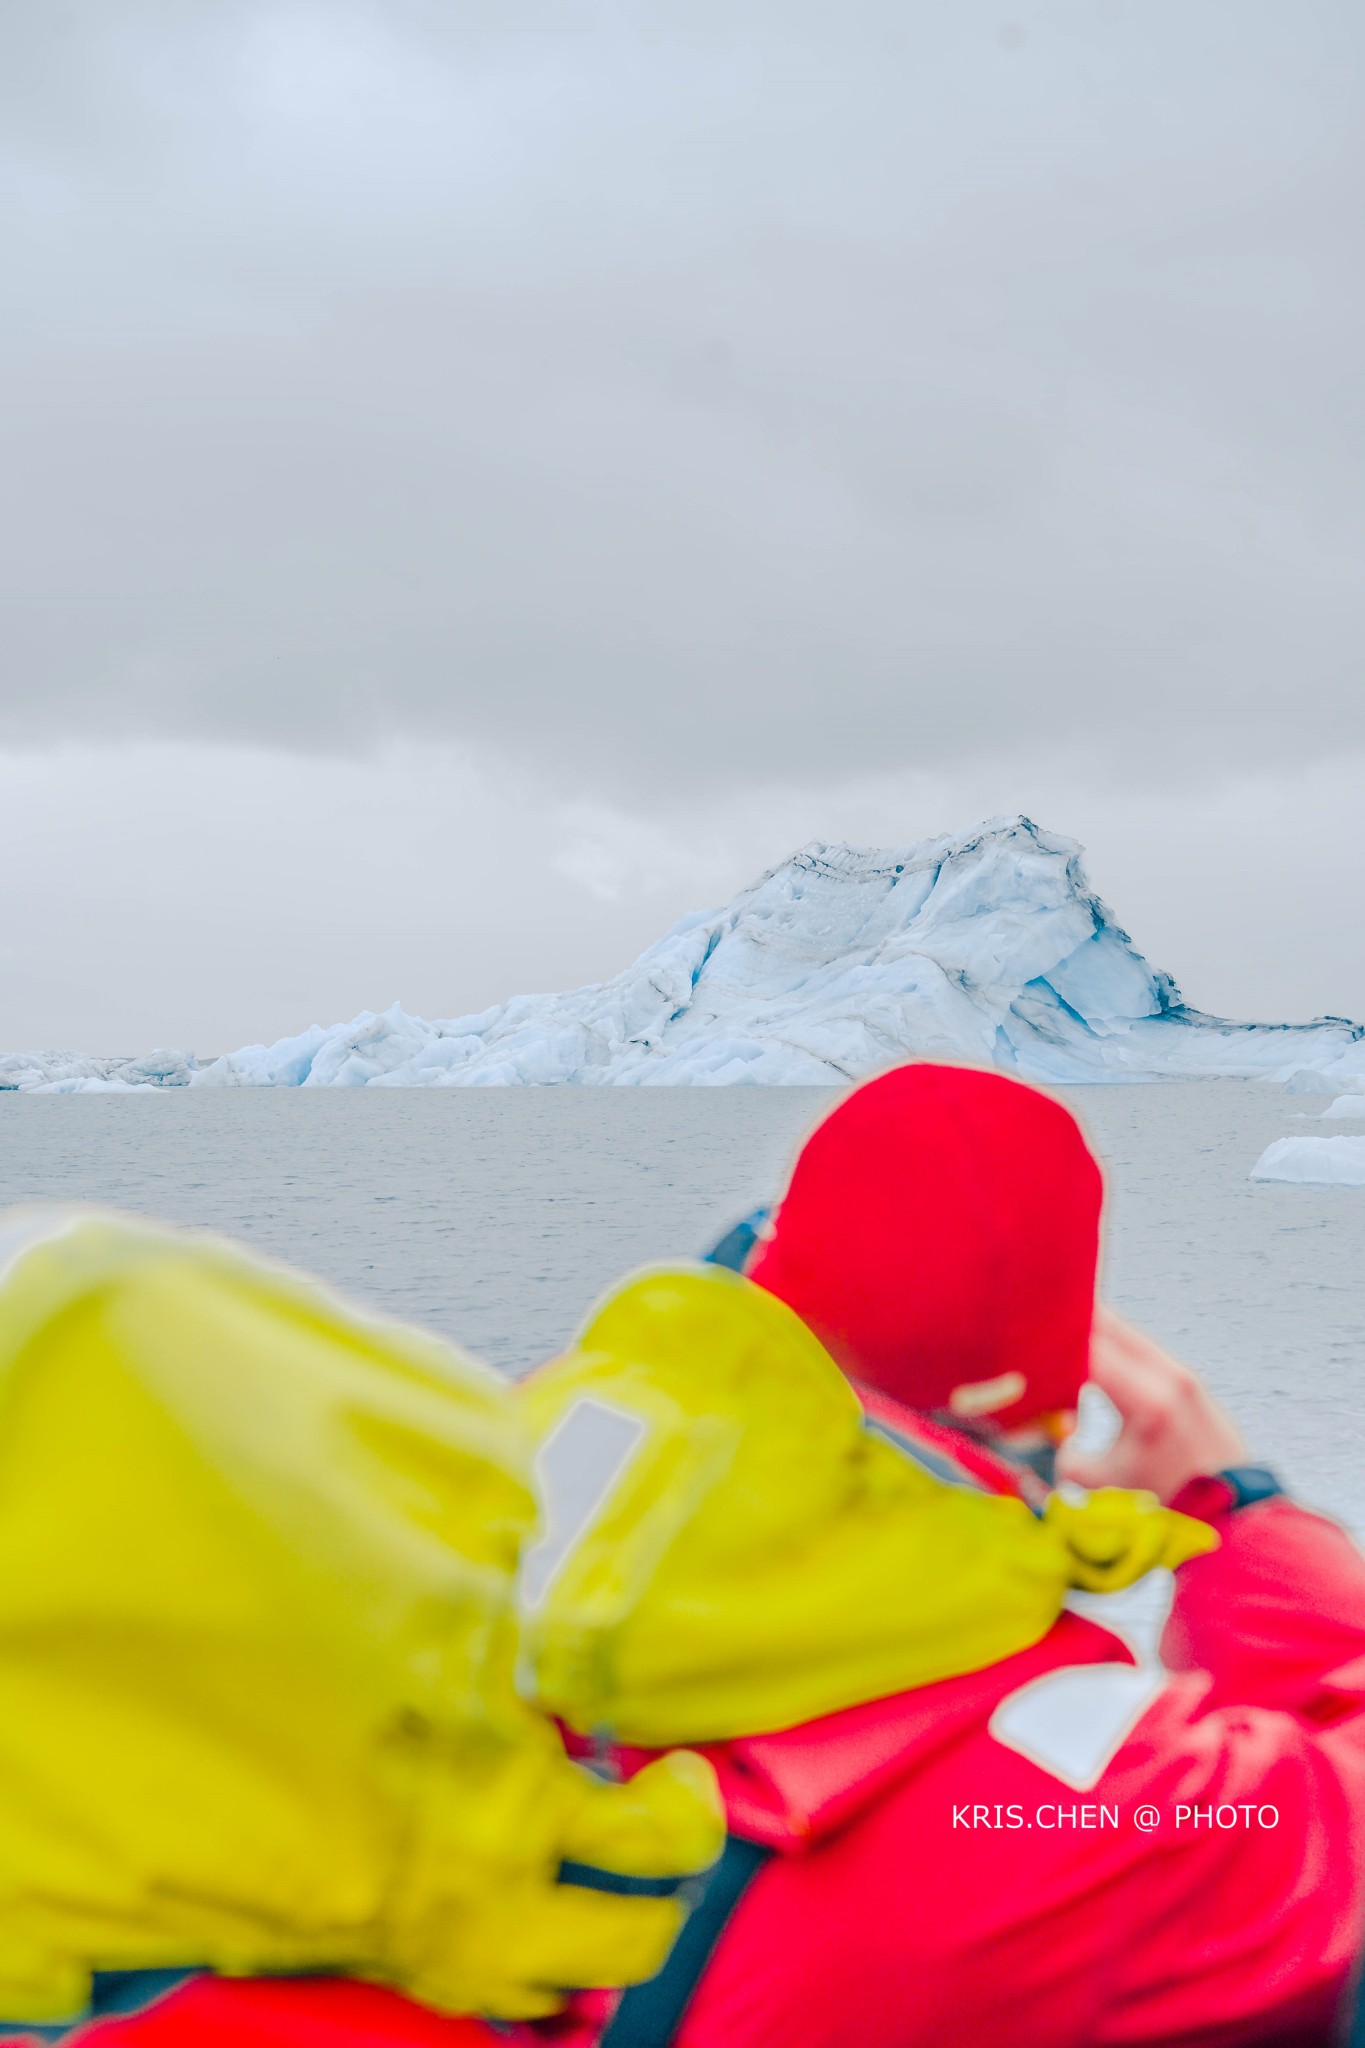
(498, 1215)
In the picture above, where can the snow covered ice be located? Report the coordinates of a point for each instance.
(1311, 1081)
(1314, 1162)
(74, 1073)
(987, 945)
(1346, 1105)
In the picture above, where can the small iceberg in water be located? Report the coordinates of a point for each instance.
(1314, 1162)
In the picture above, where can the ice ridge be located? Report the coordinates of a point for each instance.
(987, 945)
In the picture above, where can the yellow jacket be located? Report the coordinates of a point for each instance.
(257, 1647)
(732, 1551)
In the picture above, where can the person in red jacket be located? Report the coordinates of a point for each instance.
(1078, 1846)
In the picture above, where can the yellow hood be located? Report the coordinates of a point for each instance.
(731, 1550)
(257, 1649)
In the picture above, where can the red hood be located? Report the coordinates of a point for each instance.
(941, 1227)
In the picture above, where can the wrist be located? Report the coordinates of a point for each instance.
(1211, 1494)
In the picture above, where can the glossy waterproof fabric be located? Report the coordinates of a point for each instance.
(257, 1647)
(941, 1228)
(885, 1921)
(313, 2012)
(760, 1556)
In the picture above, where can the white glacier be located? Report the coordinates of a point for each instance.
(987, 945)
(1346, 1105)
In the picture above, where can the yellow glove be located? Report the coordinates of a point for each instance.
(257, 1646)
(1113, 1536)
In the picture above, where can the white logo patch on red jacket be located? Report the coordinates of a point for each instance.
(1072, 1723)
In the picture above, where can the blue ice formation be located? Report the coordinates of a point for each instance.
(989, 946)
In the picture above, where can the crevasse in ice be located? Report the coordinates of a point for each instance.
(988, 945)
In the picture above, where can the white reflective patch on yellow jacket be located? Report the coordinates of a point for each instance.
(1072, 1723)
(577, 1467)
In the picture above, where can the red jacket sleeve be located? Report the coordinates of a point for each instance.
(1243, 1916)
(1276, 1615)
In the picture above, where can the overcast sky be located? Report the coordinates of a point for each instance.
(477, 481)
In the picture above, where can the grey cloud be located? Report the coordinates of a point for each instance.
(686, 387)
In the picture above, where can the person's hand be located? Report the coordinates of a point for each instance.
(1173, 1429)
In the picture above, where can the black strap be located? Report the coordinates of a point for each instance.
(649, 2014)
(595, 1879)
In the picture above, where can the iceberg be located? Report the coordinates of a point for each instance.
(1314, 1162)
(987, 945)
(1346, 1105)
(1310, 1081)
(75, 1073)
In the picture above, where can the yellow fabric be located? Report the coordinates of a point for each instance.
(257, 1650)
(1116, 1534)
(763, 1557)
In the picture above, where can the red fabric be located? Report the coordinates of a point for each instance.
(298, 2012)
(889, 1925)
(941, 1226)
(882, 1922)
(1292, 1639)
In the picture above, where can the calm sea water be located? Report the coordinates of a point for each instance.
(498, 1215)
